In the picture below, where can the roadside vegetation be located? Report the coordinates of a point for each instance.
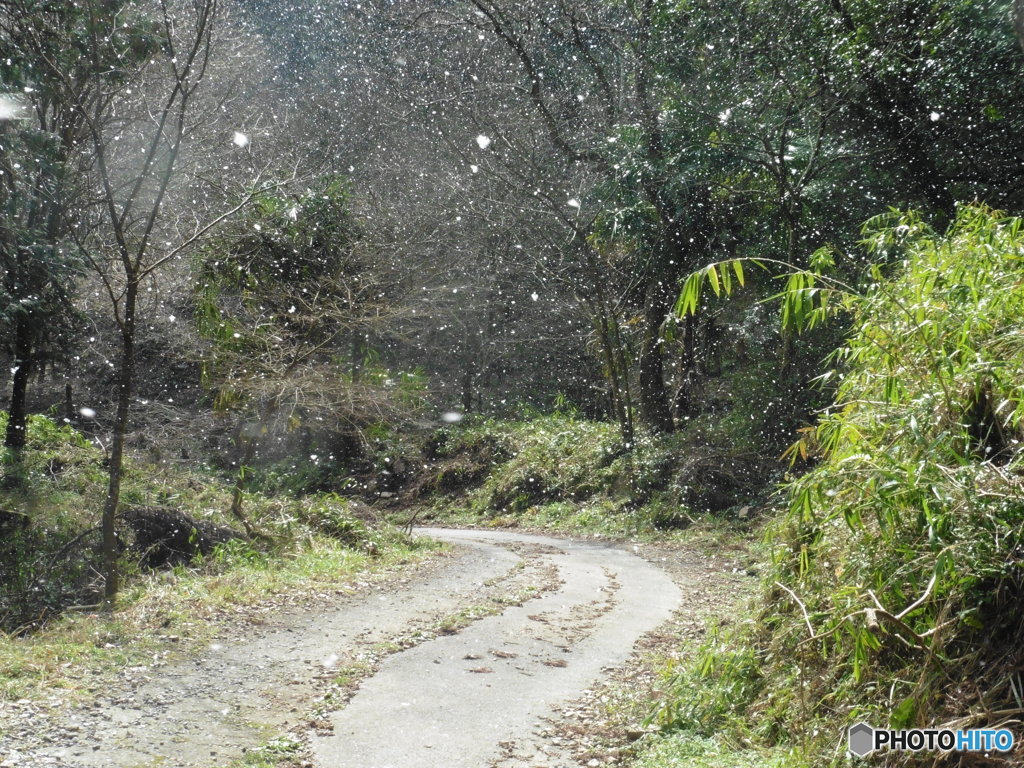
(894, 576)
(889, 576)
(891, 572)
(189, 567)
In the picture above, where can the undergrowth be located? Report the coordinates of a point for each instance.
(680, 750)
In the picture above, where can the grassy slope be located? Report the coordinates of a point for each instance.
(314, 545)
(563, 472)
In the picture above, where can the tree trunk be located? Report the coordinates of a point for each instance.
(468, 374)
(654, 400)
(247, 447)
(358, 353)
(17, 416)
(616, 369)
(238, 490)
(690, 343)
(125, 382)
(613, 377)
(686, 396)
(625, 390)
(69, 403)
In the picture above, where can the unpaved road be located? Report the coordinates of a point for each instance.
(471, 698)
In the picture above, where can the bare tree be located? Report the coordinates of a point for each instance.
(136, 127)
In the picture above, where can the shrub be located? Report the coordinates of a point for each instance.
(336, 517)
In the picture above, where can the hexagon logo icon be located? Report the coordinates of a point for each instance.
(862, 739)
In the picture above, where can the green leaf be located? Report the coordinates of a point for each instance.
(904, 714)
(713, 279)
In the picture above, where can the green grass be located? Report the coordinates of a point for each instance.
(51, 495)
(312, 545)
(682, 750)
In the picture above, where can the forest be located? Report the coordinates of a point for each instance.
(282, 281)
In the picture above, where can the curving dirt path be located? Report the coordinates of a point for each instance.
(446, 688)
(476, 698)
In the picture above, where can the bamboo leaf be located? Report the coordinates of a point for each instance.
(713, 279)
(737, 266)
